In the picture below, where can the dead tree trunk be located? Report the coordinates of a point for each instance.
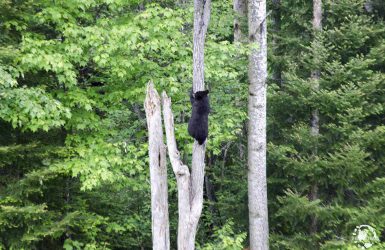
(257, 186)
(190, 185)
(201, 22)
(158, 171)
(314, 129)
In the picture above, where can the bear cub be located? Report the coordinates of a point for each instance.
(198, 125)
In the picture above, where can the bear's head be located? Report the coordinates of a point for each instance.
(201, 94)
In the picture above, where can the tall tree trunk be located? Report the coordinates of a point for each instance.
(201, 22)
(257, 186)
(314, 129)
(158, 171)
(240, 9)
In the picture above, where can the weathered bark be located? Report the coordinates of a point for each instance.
(257, 186)
(240, 9)
(190, 196)
(314, 126)
(158, 171)
(181, 172)
(201, 22)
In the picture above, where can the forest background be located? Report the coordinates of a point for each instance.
(73, 140)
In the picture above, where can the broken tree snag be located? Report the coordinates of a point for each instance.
(182, 175)
(190, 186)
(158, 170)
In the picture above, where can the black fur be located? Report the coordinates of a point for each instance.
(198, 126)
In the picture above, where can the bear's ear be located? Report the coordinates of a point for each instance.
(191, 96)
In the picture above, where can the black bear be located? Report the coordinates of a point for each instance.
(198, 126)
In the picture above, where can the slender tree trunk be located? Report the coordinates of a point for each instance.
(257, 186)
(201, 22)
(317, 15)
(314, 129)
(240, 9)
(158, 171)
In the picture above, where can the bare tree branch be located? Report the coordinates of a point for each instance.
(182, 176)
